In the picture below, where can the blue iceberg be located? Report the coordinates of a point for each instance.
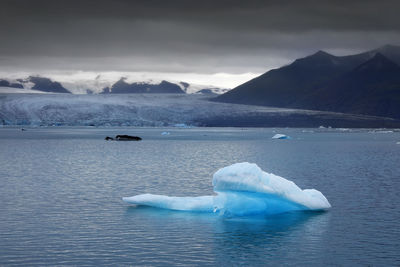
(280, 136)
(242, 189)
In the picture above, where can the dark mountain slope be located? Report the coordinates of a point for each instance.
(6, 83)
(313, 82)
(47, 85)
(373, 88)
(390, 51)
(122, 87)
(282, 87)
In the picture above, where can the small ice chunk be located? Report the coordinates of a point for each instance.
(182, 125)
(280, 136)
(381, 131)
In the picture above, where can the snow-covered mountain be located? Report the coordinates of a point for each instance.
(106, 83)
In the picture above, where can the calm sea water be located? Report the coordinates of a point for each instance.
(61, 190)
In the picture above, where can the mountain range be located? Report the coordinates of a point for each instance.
(367, 83)
(121, 86)
(35, 83)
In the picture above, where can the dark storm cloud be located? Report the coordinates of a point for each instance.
(199, 36)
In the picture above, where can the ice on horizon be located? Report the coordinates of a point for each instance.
(242, 189)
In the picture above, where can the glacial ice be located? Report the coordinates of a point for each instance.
(149, 110)
(180, 111)
(242, 189)
(203, 203)
(280, 136)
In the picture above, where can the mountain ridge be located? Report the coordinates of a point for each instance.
(303, 83)
(122, 87)
(94, 86)
(373, 88)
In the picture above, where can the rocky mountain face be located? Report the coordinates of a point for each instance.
(47, 85)
(5, 83)
(372, 88)
(35, 83)
(366, 83)
(122, 87)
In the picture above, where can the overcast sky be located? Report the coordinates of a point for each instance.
(202, 38)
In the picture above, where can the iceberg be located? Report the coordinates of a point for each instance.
(242, 189)
(280, 136)
(202, 204)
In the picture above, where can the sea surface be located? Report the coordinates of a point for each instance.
(61, 190)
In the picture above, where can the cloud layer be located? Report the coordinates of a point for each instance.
(186, 36)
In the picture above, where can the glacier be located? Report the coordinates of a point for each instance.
(242, 189)
(158, 110)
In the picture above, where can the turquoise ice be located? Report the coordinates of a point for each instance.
(242, 189)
